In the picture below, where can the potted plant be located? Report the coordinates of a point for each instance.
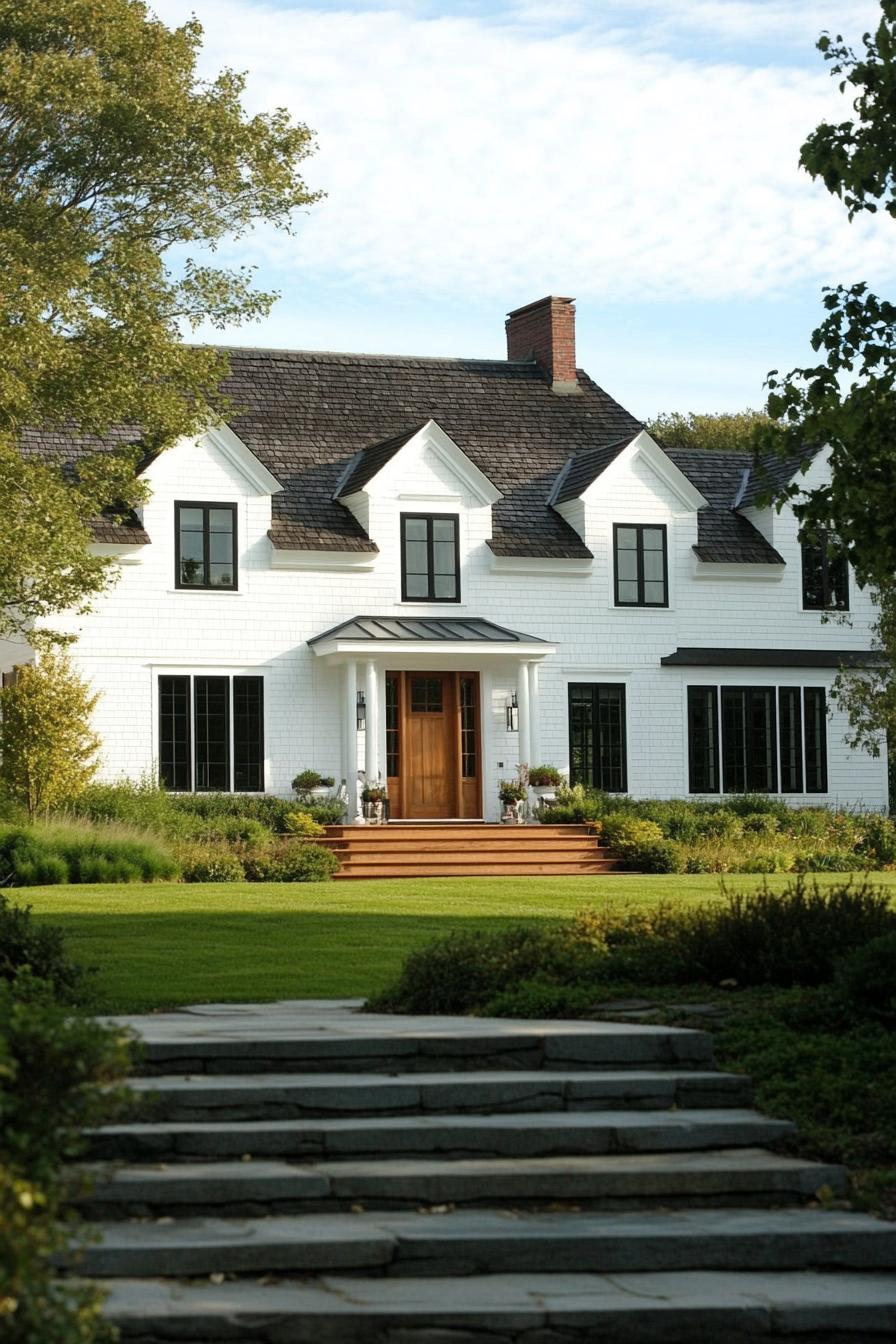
(310, 783)
(513, 794)
(375, 803)
(545, 781)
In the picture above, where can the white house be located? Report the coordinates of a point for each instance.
(426, 571)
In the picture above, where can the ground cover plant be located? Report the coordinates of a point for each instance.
(748, 833)
(796, 982)
(72, 851)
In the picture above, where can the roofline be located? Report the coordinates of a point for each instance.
(368, 355)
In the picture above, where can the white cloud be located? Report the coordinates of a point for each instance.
(469, 156)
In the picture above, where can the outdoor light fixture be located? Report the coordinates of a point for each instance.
(513, 714)
(361, 711)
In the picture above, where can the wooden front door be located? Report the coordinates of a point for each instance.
(432, 745)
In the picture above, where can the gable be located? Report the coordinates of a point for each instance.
(429, 456)
(641, 455)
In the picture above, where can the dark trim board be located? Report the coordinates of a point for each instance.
(772, 658)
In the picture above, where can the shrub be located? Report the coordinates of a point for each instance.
(760, 823)
(830, 861)
(461, 972)
(306, 780)
(642, 845)
(52, 853)
(326, 813)
(41, 949)
(48, 751)
(302, 823)
(210, 863)
(142, 803)
(245, 832)
(293, 862)
(59, 1073)
(270, 811)
(867, 978)
(791, 937)
(879, 839)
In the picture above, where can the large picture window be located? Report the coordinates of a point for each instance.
(205, 546)
(597, 750)
(639, 565)
(430, 557)
(757, 739)
(211, 734)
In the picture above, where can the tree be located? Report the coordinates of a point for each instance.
(47, 746)
(725, 431)
(847, 400)
(115, 159)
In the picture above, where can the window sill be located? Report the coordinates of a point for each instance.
(204, 592)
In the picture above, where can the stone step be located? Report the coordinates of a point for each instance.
(672, 1307)
(284, 1096)
(229, 1038)
(510, 1135)
(746, 1177)
(487, 1241)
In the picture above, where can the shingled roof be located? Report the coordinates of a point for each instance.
(723, 536)
(325, 423)
(770, 475)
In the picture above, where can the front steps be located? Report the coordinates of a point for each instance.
(456, 849)
(376, 1180)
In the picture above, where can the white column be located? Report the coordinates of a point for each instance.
(534, 723)
(350, 739)
(372, 724)
(522, 700)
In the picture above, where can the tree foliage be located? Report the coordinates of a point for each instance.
(847, 399)
(116, 163)
(47, 746)
(725, 431)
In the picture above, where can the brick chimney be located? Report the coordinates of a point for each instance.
(546, 332)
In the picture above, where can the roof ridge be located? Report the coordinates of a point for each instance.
(354, 355)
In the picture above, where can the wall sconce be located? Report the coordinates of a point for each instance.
(512, 714)
(361, 711)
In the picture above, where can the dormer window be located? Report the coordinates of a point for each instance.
(640, 568)
(825, 579)
(205, 546)
(430, 557)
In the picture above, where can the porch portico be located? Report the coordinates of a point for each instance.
(426, 685)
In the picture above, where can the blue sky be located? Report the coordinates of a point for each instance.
(639, 156)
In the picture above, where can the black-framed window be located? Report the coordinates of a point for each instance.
(597, 739)
(430, 557)
(790, 736)
(640, 565)
(768, 739)
(703, 739)
(815, 718)
(205, 725)
(393, 732)
(205, 546)
(825, 578)
(468, 733)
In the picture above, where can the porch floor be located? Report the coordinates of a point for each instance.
(467, 849)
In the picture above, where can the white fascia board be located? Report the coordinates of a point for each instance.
(743, 572)
(472, 650)
(432, 436)
(535, 564)
(231, 447)
(352, 561)
(646, 449)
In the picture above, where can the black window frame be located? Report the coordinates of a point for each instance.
(799, 765)
(180, 753)
(206, 586)
(640, 529)
(817, 556)
(816, 750)
(597, 774)
(711, 755)
(429, 519)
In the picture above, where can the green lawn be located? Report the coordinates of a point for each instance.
(167, 944)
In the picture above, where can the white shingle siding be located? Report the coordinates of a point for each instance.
(144, 626)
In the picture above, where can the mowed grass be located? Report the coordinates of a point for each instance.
(161, 945)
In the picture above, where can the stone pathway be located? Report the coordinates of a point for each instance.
(307, 1174)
